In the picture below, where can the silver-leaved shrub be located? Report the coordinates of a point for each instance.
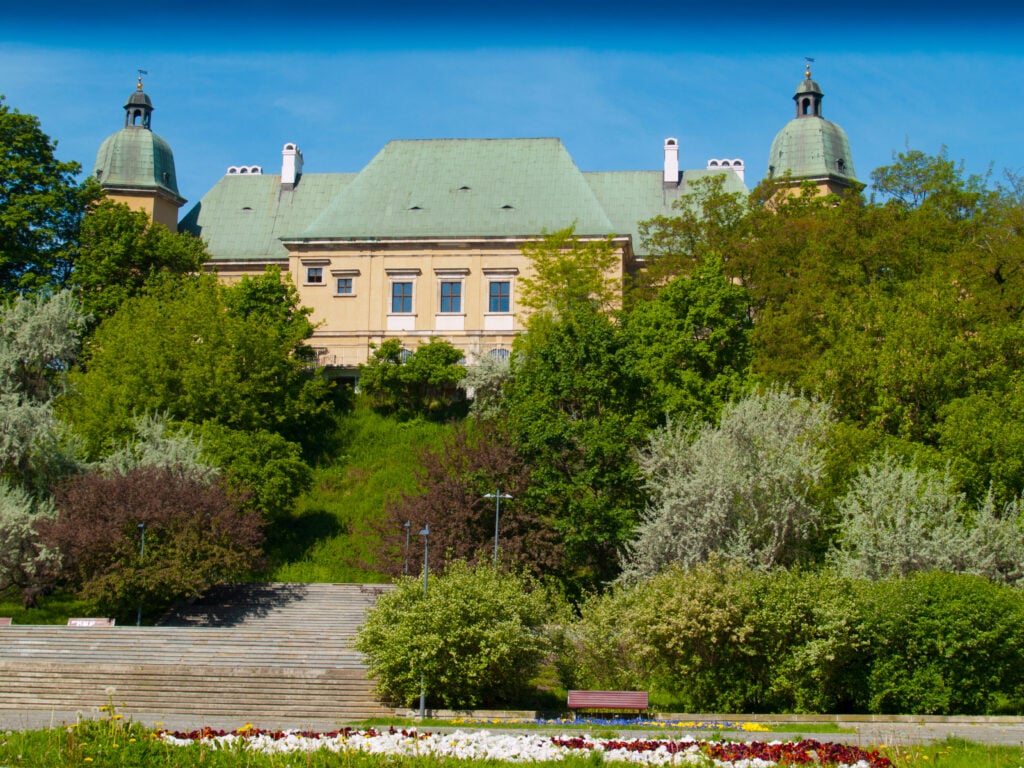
(743, 489)
(897, 519)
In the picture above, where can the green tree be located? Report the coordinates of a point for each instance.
(41, 206)
(744, 489)
(691, 343)
(710, 226)
(927, 634)
(181, 349)
(476, 638)
(425, 382)
(120, 249)
(575, 410)
(569, 270)
(260, 467)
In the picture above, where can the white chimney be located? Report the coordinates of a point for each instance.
(671, 177)
(291, 166)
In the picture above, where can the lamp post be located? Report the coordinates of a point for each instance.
(142, 553)
(425, 533)
(408, 526)
(497, 496)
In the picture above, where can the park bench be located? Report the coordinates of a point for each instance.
(608, 701)
(90, 622)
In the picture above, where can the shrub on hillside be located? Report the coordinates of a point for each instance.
(744, 489)
(196, 536)
(475, 639)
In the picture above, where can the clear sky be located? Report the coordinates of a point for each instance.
(233, 81)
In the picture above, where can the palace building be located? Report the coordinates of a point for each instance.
(424, 241)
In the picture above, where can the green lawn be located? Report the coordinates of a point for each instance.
(330, 537)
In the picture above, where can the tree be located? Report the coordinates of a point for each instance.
(897, 519)
(41, 207)
(474, 639)
(260, 467)
(576, 413)
(120, 250)
(484, 381)
(710, 226)
(26, 563)
(744, 489)
(181, 349)
(156, 444)
(567, 271)
(475, 460)
(691, 343)
(39, 341)
(420, 383)
(196, 536)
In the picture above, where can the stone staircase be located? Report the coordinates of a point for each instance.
(259, 651)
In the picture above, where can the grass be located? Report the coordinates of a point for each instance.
(330, 536)
(111, 741)
(56, 608)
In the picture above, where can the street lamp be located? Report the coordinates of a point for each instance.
(142, 553)
(497, 496)
(425, 533)
(407, 525)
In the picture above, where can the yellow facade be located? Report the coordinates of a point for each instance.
(464, 291)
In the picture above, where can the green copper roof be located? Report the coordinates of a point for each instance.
(463, 188)
(136, 158)
(244, 216)
(630, 197)
(811, 148)
(435, 188)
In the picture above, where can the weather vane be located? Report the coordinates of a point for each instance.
(807, 72)
(141, 73)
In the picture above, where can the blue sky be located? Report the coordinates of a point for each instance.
(232, 81)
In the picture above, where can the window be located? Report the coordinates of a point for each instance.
(451, 295)
(401, 297)
(499, 296)
(315, 275)
(344, 286)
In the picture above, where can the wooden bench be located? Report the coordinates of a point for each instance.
(608, 701)
(90, 622)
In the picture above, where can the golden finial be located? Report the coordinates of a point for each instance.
(141, 73)
(807, 70)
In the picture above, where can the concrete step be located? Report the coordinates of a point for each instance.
(270, 650)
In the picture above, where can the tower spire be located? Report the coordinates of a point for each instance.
(139, 109)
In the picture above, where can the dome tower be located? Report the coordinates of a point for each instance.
(809, 147)
(136, 167)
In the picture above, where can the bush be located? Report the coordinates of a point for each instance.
(475, 639)
(195, 537)
(943, 644)
(723, 637)
(744, 489)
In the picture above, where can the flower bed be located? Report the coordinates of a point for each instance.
(485, 745)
